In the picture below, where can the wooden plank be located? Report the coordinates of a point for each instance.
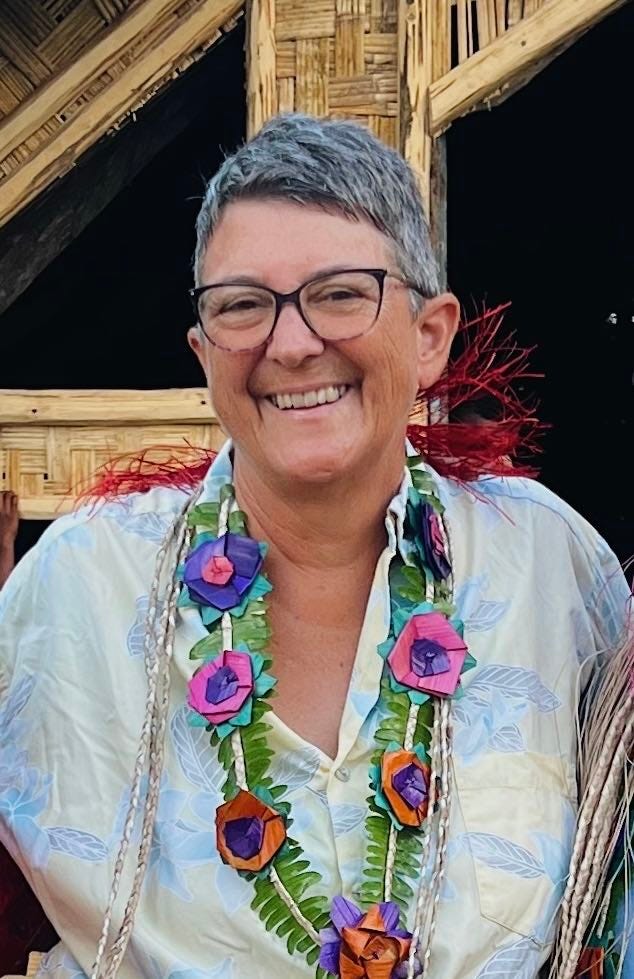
(415, 59)
(512, 56)
(500, 16)
(461, 29)
(311, 81)
(306, 20)
(182, 405)
(440, 27)
(261, 64)
(286, 95)
(484, 27)
(349, 31)
(438, 205)
(514, 14)
(70, 83)
(38, 234)
(137, 82)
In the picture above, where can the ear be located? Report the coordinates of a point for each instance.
(197, 344)
(436, 323)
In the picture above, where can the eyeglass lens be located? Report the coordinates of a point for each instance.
(338, 307)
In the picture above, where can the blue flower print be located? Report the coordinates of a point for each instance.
(20, 804)
(177, 845)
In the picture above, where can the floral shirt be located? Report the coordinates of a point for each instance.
(539, 592)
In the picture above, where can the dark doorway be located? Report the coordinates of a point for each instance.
(541, 212)
(111, 310)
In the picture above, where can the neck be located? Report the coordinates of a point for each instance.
(321, 527)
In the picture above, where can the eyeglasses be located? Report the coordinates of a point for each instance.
(334, 306)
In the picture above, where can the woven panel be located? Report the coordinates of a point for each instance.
(39, 37)
(40, 40)
(339, 58)
(45, 465)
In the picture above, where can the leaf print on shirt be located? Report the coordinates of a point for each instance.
(25, 791)
(477, 613)
(514, 681)
(135, 638)
(295, 769)
(76, 843)
(346, 818)
(482, 725)
(502, 854)
(198, 761)
(517, 961)
(149, 525)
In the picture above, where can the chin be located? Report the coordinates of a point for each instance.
(317, 467)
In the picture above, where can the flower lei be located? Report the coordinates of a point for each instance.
(229, 694)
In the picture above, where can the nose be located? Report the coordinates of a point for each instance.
(292, 342)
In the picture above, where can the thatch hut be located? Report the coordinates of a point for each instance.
(79, 80)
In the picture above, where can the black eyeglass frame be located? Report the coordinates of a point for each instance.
(293, 298)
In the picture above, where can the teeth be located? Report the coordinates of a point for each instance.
(309, 399)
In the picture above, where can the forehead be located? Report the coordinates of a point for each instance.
(281, 243)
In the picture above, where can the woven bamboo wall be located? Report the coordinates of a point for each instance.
(52, 442)
(340, 60)
(72, 70)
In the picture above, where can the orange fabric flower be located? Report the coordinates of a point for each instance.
(248, 832)
(368, 952)
(405, 784)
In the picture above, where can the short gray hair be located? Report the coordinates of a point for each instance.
(334, 164)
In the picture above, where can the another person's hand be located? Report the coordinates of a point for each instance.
(9, 517)
(9, 520)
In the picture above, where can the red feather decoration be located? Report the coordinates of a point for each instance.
(488, 368)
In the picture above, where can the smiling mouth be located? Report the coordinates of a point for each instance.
(309, 399)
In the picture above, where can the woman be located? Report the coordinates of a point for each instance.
(345, 686)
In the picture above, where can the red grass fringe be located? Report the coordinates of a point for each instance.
(489, 368)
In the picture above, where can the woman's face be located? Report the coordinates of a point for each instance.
(281, 245)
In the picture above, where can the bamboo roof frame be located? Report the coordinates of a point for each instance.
(385, 62)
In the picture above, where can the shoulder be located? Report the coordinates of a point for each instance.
(564, 552)
(85, 565)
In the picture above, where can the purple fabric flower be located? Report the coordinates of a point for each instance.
(433, 545)
(218, 572)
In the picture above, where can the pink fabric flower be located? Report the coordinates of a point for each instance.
(428, 655)
(221, 687)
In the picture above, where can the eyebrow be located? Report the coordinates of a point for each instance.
(249, 280)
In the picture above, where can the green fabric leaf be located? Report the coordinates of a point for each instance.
(204, 515)
(209, 647)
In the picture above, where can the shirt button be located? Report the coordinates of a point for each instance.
(343, 774)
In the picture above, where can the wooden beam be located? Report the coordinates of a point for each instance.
(137, 83)
(261, 64)
(66, 86)
(183, 405)
(37, 235)
(415, 73)
(509, 58)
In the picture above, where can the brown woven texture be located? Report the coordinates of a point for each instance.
(47, 466)
(339, 58)
(42, 39)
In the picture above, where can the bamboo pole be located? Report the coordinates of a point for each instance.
(262, 92)
(512, 57)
